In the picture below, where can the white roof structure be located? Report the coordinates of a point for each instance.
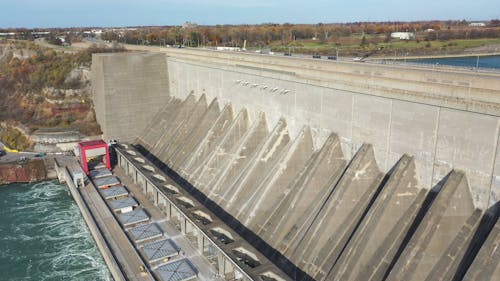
(114, 192)
(133, 217)
(106, 182)
(100, 173)
(179, 270)
(145, 232)
(158, 250)
(127, 202)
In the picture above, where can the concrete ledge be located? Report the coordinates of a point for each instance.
(106, 253)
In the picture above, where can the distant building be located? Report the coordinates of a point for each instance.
(94, 33)
(429, 30)
(403, 35)
(40, 34)
(232, 49)
(477, 24)
(189, 24)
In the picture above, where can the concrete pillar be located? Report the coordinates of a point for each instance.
(224, 265)
(156, 195)
(201, 242)
(221, 264)
(189, 227)
(183, 225)
(168, 210)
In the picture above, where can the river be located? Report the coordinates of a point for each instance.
(469, 62)
(44, 237)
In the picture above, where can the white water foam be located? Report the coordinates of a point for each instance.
(46, 238)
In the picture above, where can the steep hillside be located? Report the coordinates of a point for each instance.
(43, 88)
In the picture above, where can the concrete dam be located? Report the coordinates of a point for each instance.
(330, 170)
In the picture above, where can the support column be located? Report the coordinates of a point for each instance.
(201, 243)
(221, 264)
(183, 226)
(189, 226)
(168, 210)
(224, 265)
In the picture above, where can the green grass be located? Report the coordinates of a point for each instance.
(383, 48)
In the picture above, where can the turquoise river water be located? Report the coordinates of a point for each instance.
(488, 62)
(44, 237)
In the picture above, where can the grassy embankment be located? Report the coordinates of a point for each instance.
(376, 46)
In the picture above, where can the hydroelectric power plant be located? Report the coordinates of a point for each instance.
(300, 169)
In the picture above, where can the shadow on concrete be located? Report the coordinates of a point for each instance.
(487, 223)
(253, 239)
(431, 195)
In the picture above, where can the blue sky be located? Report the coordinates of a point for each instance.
(71, 13)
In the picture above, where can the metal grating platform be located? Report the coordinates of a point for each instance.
(158, 250)
(99, 166)
(100, 173)
(106, 182)
(179, 270)
(145, 232)
(114, 192)
(127, 202)
(134, 217)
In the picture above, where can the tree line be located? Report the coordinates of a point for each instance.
(268, 34)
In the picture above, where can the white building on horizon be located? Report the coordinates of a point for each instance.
(477, 24)
(403, 35)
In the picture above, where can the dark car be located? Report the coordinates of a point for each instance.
(2, 153)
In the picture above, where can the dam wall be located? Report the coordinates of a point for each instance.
(443, 119)
(127, 91)
(332, 171)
